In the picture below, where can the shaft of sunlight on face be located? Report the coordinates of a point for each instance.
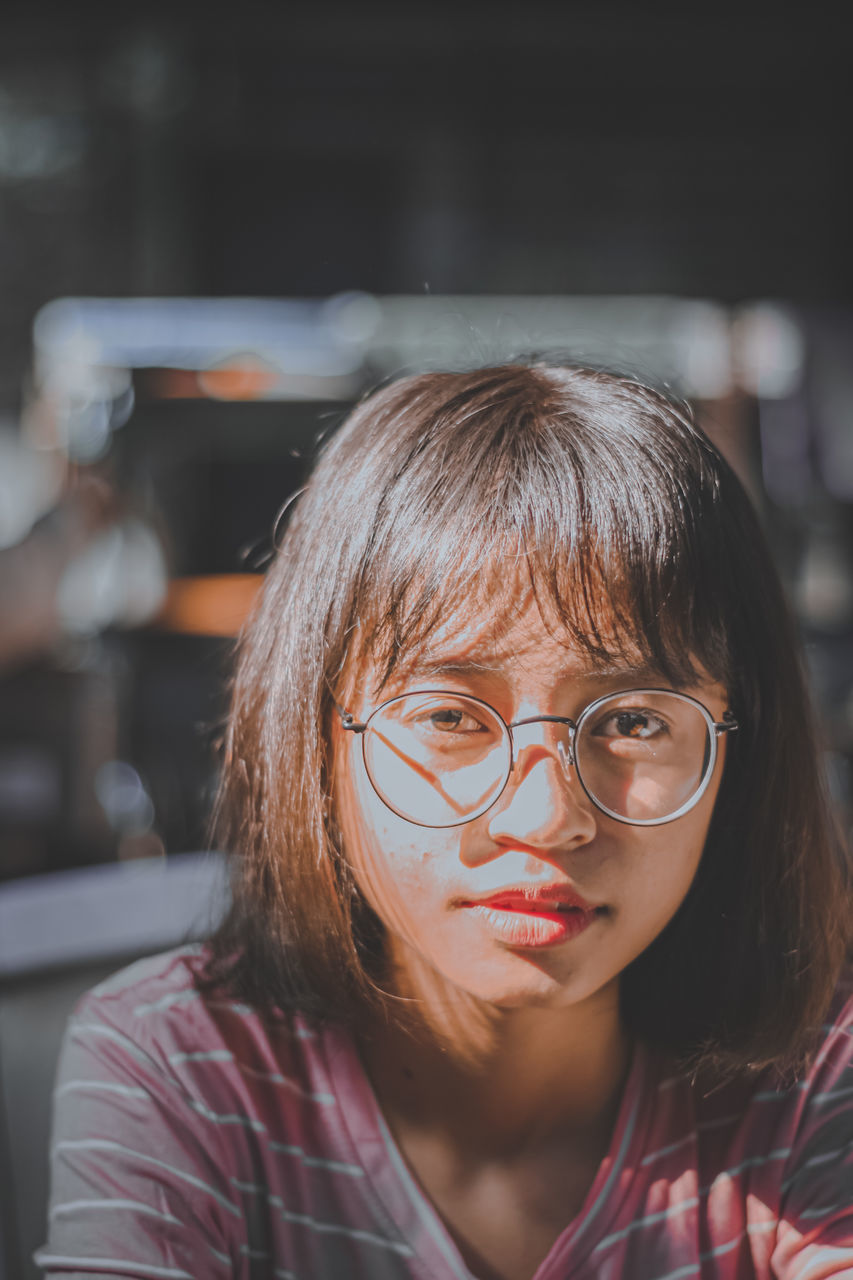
(421, 785)
(541, 899)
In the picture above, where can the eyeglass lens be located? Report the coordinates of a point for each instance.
(439, 759)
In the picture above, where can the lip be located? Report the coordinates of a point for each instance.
(529, 916)
(535, 898)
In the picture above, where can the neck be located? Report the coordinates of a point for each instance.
(496, 1082)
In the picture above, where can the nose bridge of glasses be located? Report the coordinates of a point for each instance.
(565, 740)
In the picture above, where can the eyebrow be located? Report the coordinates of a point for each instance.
(423, 668)
(467, 667)
(640, 671)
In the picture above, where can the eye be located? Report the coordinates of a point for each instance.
(631, 722)
(454, 720)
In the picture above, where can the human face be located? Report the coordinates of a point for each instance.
(468, 905)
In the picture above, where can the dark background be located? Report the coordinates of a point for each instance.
(281, 150)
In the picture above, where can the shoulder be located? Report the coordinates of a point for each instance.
(769, 1100)
(157, 1002)
(155, 986)
(760, 1169)
(793, 1138)
(824, 1095)
(151, 1055)
(187, 1126)
(816, 1136)
(155, 1017)
(159, 978)
(767, 1131)
(828, 1080)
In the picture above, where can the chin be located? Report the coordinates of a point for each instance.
(529, 985)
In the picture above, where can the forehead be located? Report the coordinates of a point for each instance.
(510, 629)
(517, 605)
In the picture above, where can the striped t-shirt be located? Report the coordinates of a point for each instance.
(193, 1139)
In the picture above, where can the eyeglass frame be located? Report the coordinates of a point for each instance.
(716, 728)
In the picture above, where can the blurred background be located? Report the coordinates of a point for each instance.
(220, 224)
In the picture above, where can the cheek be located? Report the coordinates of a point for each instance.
(394, 862)
(669, 875)
(666, 865)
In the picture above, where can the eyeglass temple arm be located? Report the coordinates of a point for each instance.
(348, 720)
(728, 724)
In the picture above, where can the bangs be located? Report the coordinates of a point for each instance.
(598, 533)
(443, 507)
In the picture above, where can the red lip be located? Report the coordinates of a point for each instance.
(534, 899)
(532, 917)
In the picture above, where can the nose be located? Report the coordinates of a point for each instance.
(543, 803)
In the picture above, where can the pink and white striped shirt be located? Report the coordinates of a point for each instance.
(193, 1139)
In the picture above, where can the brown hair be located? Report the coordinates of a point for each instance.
(636, 535)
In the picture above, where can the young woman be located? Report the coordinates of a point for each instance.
(535, 960)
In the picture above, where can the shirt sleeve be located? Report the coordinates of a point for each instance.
(815, 1234)
(137, 1184)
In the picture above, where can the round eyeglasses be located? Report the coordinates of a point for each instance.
(440, 759)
